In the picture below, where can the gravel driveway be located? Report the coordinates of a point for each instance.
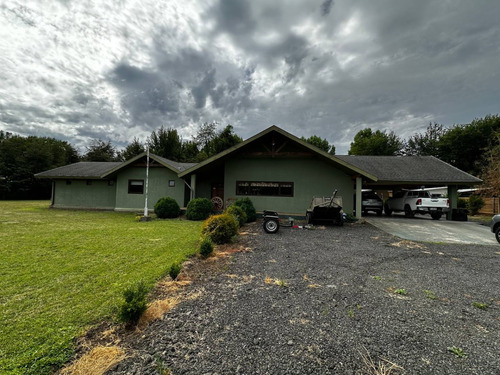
(310, 302)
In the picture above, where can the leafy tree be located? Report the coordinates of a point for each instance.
(22, 157)
(166, 143)
(222, 141)
(190, 152)
(367, 142)
(206, 133)
(4, 135)
(133, 149)
(100, 150)
(465, 146)
(426, 144)
(491, 172)
(320, 143)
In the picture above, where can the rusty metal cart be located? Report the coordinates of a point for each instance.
(326, 209)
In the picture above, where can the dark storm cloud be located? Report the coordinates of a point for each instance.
(326, 7)
(323, 67)
(235, 16)
(145, 94)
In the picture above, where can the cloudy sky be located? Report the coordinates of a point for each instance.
(117, 69)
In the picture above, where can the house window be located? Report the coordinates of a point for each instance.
(135, 186)
(171, 183)
(265, 188)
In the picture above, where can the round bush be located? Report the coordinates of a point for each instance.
(246, 205)
(199, 209)
(220, 228)
(167, 208)
(175, 270)
(134, 304)
(206, 247)
(475, 204)
(238, 213)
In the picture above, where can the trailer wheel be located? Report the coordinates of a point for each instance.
(271, 225)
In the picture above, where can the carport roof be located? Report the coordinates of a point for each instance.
(425, 170)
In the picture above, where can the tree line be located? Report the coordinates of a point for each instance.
(474, 148)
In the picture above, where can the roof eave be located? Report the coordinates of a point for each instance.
(134, 159)
(286, 134)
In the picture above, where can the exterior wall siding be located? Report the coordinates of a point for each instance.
(311, 177)
(97, 195)
(158, 188)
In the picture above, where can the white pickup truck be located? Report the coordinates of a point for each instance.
(413, 202)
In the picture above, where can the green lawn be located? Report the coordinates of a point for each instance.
(61, 271)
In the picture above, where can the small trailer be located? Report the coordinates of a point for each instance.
(326, 209)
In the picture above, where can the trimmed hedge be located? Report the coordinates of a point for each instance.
(199, 209)
(246, 205)
(167, 207)
(220, 228)
(238, 213)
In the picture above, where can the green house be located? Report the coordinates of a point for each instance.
(275, 169)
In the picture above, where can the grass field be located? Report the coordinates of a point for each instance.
(61, 271)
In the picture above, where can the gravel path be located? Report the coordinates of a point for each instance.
(310, 302)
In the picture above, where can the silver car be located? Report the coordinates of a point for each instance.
(495, 226)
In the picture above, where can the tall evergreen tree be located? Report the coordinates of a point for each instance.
(166, 143)
(22, 157)
(133, 149)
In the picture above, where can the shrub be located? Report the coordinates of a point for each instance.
(199, 209)
(350, 218)
(134, 303)
(167, 207)
(238, 213)
(246, 205)
(220, 228)
(461, 203)
(475, 204)
(175, 270)
(206, 247)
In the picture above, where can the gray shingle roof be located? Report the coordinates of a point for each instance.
(93, 169)
(83, 169)
(179, 166)
(411, 169)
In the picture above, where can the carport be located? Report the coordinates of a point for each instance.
(409, 172)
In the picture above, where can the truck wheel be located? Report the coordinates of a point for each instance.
(271, 226)
(497, 234)
(387, 210)
(408, 211)
(436, 215)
